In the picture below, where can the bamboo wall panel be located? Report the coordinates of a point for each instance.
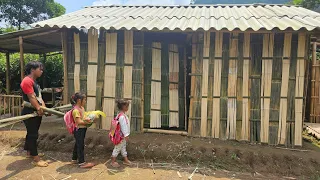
(266, 76)
(165, 84)
(284, 89)
(173, 86)
(299, 89)
(147, 82)
(120, 67)
(224, 86)
(232, 88)
(239, 99)
(211, 83)
(217, 85)
(155, 114)
(315, 87)
(76, 40)
(137, 110)
(245, 88)
(205, 77)
(255, 86)
(276, 88)
(92, 69)
(196, 72)
(109, 92)
(128, 60)
(83, 61)
(182, 87)
(290, 127)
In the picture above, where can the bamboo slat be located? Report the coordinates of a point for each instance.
(232, 89)
(128, 60)
(92, 69)
(76, 79)
(205, 82)
(217, 86)
(284, 89)
(173, 86)
(109, 90)
(245, 102)
(268, 42)
(299, 89)
(155, 113)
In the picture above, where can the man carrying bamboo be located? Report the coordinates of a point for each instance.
(31, 93)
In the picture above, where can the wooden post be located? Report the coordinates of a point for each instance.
(217, 85)
(64, 41)
(44, 77)
(21, 57)
(76, 40)
(299, 89)
(8, 73)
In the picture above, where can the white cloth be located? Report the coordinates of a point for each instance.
(121, 147)
(124, 125)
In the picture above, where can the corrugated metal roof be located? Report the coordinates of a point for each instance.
(193, 17)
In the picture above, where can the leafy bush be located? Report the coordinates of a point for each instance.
(53, 71)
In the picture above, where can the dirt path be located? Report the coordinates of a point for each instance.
(215, 158)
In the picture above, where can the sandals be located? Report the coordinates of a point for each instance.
(40, 163)
(115, 164)
(86, 165)
(127, 163)
(39, 154)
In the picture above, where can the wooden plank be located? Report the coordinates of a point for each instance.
(109, 80)
(232, 89)
(217, 86)
(284, 89)
(21, 57)
(205, 81)
(76, 40)
(266, 76)
(299, 89)
(173, 86)
(155, 113)
(64, 41)
(245, 89)
(128, 60)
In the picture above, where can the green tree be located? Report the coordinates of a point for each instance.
(308, 4)
(19, 12)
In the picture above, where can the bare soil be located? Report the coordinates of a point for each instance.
(180, 153)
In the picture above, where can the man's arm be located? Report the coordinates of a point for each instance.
(34, 102)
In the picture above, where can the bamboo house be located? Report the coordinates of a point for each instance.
(221, 71)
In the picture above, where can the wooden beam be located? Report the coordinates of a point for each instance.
(21, 57)
(37, 43)
(64, 41)
(160, 131)
(31, 35)
(8, 73)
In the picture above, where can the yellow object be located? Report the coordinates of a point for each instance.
(96, 113)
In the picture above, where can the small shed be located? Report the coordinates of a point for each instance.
(222, 71)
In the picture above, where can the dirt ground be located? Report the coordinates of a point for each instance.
(170, 153)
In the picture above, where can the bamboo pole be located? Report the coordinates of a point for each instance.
(173, 85)
(8, 73)
(18, 118)
(21, 57)
(313, 83)
(76, 40)
(160, 131)
(128, 63)
(45, 109)
(192, 89)
(245, 89)
(64, 41)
